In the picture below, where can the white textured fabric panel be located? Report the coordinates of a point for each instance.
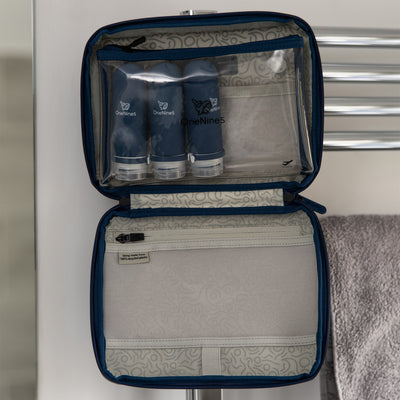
(212, 293)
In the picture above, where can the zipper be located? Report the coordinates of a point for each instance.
(132, 46)
(131, 53)
(309, 204)
(294, 198)
(184, 239)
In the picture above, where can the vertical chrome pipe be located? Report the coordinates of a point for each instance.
(204, 394)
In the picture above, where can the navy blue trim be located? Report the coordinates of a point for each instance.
(96, 294)
(232, 18)
(317, 109)
(289, 42)
(323, 293)
(201, 20)
(207, 381)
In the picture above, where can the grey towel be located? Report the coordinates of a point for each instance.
(364, 256)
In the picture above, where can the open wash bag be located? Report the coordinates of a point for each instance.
(211, 271)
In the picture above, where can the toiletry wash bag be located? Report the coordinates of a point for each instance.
(219, 280)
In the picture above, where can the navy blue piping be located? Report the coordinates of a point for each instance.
(207, 381)
(232, 18)
(289, 42)
(173, 188)
(96, 293)
(200, 20)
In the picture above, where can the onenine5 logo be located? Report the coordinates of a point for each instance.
(163, 105)
(202, 121)
(125, 110)
(203, 108)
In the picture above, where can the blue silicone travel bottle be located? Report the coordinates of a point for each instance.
(167, 132)
(203, 118)
(129, 123)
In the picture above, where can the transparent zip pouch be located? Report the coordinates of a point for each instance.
(228, 113)
(210, 295)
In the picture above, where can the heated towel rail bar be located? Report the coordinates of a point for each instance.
(373, 47)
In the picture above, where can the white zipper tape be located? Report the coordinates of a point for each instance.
(207, 233)
(210, 243)
(210, 342)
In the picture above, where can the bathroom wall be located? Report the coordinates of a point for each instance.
(17, 273)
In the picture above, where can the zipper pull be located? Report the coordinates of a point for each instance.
(132, 47)
(130, 237)
(311, 205)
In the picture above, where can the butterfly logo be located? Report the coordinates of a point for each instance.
(125, 106)
(202, 107)
(163, 105)
(214, 101)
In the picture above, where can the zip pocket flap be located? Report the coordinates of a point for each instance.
(187, 239)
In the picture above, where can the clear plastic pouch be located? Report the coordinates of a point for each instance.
(208, 114)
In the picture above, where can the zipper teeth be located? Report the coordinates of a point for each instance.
(210, 240)
(211, 342)
(288, 42)
(207, 233)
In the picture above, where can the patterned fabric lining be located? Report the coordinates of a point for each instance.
(256, 198)
(234, 361)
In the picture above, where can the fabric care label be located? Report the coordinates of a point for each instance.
(130, 258)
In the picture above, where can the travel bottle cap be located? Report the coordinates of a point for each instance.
(130, 172)
(166, 170)
(208, 168)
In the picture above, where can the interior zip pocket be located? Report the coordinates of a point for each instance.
(110, 53)
(208, 238)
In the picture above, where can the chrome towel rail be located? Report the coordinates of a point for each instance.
(359, 106)
(354, 37)
(372, 73)
(362, 140)
(369, 47)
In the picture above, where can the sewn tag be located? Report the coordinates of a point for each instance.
(133, 258)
